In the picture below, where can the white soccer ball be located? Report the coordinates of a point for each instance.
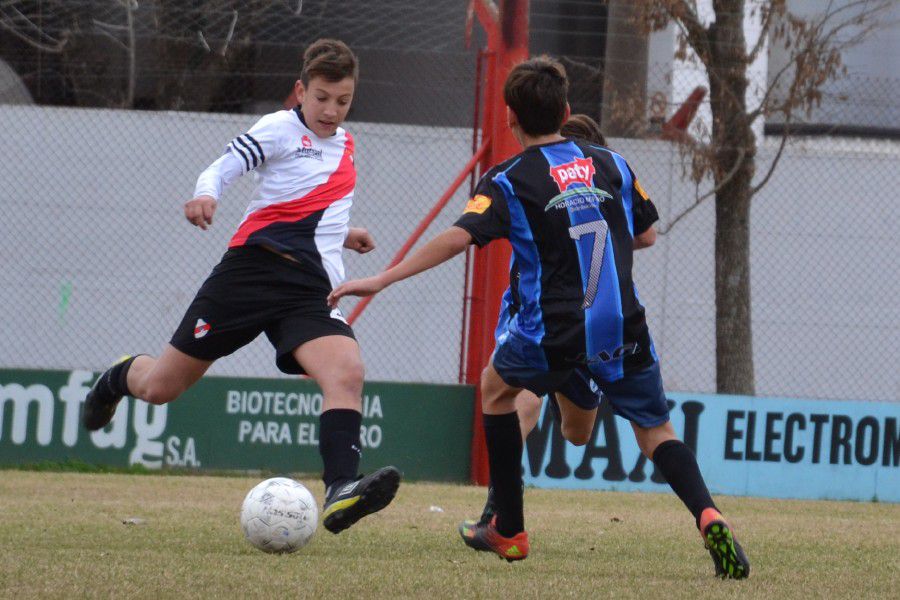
(279, 515)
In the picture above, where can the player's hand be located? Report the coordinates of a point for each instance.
(359, 240)
(357, 287)
(200, 211)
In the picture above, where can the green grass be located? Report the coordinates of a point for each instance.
(62, 536)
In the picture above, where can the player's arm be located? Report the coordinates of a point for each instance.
(439, 250)
(243, 154)
(199, 211)
(643, 214)
(645, 239)
(359, 240)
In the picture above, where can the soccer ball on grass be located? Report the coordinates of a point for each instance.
(279, 515)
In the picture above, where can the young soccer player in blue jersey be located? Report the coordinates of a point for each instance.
(275, 278)
(574, 214)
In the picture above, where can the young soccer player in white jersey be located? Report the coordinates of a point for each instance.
(275, 277)
(570, 320)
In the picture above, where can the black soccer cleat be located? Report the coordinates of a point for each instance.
(727, 555)
(487, 514)
(101, 401)
(352, 501)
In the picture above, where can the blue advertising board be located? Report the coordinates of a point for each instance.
(747, 446)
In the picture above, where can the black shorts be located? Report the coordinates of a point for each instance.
(252, 291)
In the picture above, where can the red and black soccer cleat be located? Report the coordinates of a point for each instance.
(484, 537)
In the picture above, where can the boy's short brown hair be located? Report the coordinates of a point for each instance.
(536, 92)
(330, 59)
(584, 127)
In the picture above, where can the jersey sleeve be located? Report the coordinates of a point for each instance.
(261, 143)
(642, 208)
(218, 176)
(486, 216)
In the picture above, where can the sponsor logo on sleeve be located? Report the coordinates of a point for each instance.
(640, 190)
(478, 204)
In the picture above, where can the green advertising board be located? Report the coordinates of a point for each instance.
(225, 423)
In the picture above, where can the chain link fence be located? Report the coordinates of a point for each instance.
(111, 265)
(97, 260)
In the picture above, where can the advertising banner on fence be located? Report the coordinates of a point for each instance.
(234, 423)
(748, 446)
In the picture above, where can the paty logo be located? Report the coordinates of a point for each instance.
(307, 143)
(201, 328)
(580, 170)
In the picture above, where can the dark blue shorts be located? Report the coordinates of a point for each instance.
(638, 396)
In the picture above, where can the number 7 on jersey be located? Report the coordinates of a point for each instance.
(599, 229)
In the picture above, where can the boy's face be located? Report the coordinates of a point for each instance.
(325, 103)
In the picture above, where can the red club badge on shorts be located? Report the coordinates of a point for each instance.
(307, 143)
(201, 328)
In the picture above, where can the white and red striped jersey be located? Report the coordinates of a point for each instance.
(301, 205)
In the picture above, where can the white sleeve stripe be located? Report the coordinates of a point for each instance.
(241, 152)
(250, 150)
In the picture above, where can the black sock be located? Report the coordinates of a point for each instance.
(339, 445)
(504, 445)
(118, 377)
(679, 466)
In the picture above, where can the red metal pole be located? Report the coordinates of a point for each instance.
(424, 223)
(507, 32)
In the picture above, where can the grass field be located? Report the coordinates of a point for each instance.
(62, 536)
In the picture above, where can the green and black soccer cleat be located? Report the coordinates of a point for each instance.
(103, 398)
(350, 502)
(727, 555)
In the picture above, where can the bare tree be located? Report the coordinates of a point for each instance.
(813, 47)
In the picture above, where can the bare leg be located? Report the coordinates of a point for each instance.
(649, 438)
(528, 405)
(577, 423)
(161, 380)
(335, 363)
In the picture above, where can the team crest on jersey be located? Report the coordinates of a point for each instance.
(478, 204)
(201, 329)
(580, 170)
(306, 142)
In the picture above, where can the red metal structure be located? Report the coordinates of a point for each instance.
(506, 25)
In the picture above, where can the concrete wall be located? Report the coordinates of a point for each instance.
(96, 259)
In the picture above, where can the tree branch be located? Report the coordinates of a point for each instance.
(784, 137)
(234, 19)
(699, 200)
(763, 34)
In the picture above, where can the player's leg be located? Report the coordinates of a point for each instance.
(639, 398)
(505, 534)
(528, 405)
(334, 362)
(156, 381)
(161, 380)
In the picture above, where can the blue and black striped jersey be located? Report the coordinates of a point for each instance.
(570, 210)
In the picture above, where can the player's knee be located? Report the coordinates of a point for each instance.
(159, 394)
(578, 436)
(349, 379)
